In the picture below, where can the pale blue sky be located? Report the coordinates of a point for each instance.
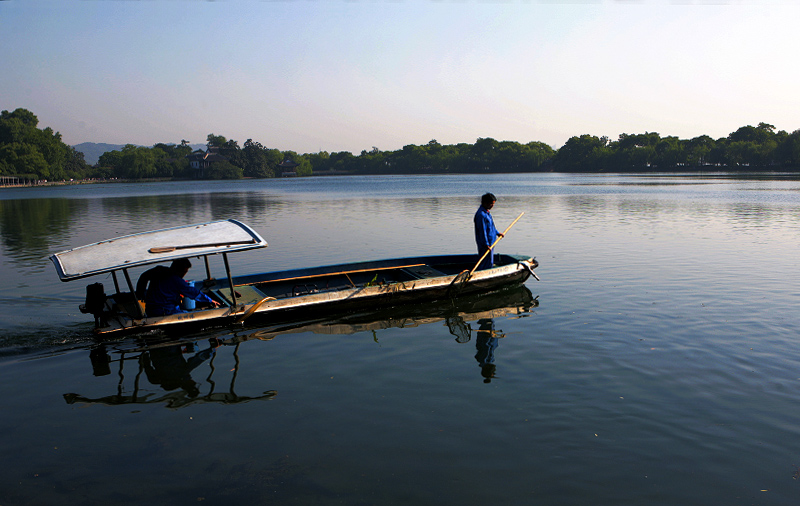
(347, 76)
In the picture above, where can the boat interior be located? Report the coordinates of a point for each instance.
(295, 283)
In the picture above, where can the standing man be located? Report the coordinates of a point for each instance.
(485, 232)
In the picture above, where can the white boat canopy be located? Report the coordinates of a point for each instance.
(154, 247)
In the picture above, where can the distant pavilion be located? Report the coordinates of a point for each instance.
(288, 168)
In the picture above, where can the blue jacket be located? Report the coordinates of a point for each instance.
(163, 296)
(485, 231)
(485, 235)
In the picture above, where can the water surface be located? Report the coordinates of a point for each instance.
(655, 363)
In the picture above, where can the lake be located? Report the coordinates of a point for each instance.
(655, 363)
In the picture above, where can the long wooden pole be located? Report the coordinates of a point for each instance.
(169, 249)
(493, 245)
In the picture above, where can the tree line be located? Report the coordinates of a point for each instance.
(748, 148)
(27, 151)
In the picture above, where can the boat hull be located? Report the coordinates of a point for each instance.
(305, 294)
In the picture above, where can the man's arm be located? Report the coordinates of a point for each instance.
(188, 290)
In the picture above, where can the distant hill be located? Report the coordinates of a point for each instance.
(93, 150)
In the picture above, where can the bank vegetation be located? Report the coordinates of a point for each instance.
(31, 153)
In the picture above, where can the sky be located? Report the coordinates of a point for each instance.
(336, 75)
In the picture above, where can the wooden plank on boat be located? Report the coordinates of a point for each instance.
(341, 273)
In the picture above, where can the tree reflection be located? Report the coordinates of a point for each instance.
(31, 228)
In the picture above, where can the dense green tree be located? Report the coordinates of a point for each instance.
(101, 172)
(258, 161)
(483, 152)
(52, 148)
(224, 170)
(633, 151)
(232, 151)
(758, 134)
(111, 159)
(581, 154)
(305, 168)
(174, 152)
(215, 141)
(18, 158)
(24, 116)
(788, 151)
(182, 169)
(164, 164)
(75, 166)
(341, 161)
(137, 162)
(25, 149)
(319, 161)
(372, 162)
(669, 153)
(697, 150)
(535, 154)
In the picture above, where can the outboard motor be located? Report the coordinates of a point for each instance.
(95, 302)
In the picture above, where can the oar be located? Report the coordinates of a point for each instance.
(169, 249)
(493, 245)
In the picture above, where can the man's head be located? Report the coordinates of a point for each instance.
(180, 266)
(488, 200)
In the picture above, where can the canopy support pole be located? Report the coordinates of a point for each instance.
(116, 282)
(139, 312)
(208, 268)
(230, 279)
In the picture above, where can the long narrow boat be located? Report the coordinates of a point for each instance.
(298, 294)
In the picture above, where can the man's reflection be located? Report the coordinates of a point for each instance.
(168, 368)
(485, 343)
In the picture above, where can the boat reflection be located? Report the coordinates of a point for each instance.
(482, 309)
(168, 364)
(486, 343)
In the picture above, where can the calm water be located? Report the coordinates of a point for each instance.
(660, 364)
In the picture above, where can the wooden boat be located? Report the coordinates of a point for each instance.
(298, 294)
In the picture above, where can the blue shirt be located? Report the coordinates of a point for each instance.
(485, 231)
(164, 292)
(485, 236)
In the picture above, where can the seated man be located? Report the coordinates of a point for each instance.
(161, 288)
